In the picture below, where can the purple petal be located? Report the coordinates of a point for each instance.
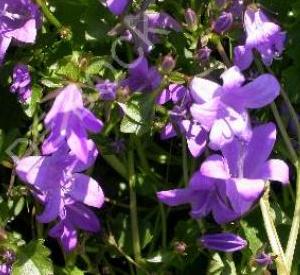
(260, 92)
(86, 190)
(243, 57)
(203, 90)
(215, 167)
(4, 44)
(117, 6)
(174, 197)
(232, 78)
(168, 132)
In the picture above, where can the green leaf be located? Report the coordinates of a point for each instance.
(251, 234)
(33, 259)
(34, 100)
(216, 265)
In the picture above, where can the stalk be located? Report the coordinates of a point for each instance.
(48, 14)
(133, 208)
(293, 236)
(185, 162)
(281, 264)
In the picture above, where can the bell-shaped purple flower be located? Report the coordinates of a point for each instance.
(19, 21)
(262, 35)
(146, 29)
(117, 7)
(203, 54)
(21, 84)
(57, 181)
(142, 77)
(226, 242)
(223, 22)
(191, 19)
(263, 259)
(228, 186)
(222, 110)
(68, 120)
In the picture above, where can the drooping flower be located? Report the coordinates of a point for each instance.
(107, 90)
(21, 84)
(228, 186)
(117, 7)
(262, 35)
(181, 121)
(68, 120)
(222, 110)
(226, 242)
(57, 181)
(142, 77)
(19, 21)
(146, 29)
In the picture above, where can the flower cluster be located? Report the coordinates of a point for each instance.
(228, 185)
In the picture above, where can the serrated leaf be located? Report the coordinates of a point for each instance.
(33, 259)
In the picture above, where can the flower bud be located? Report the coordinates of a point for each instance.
(107, 90)
(203, 54)
(263, 259)
(223, 23)
(226, 242)
(180, 247)
(168, 64)
(191, 19)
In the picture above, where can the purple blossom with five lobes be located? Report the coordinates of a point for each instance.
(180, 122)
(225, 242)
(142, 77)
(19, 21)
(223, 22)
(57, 181)
(262, 35)
(146, 29)
(21, 84)
(107, 90)
(222, 110)
(68, 120)
(228, 186)
(117, 7)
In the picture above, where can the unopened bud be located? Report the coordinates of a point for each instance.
(168, 64)
(223, 23)
(203, 54)
(191, 19)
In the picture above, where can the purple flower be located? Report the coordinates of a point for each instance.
(228, 186)
(5, 269)
(222, 110)
(146, 29)
(203, 54)
(223, 23)
(142, 77)
(19, 21)
(57, 181)
(21, 82)
(226, 242)
(168, 64)
(262, 35)
(75, 216)
(68, 120)
(263, 259)
(107, 90)
(180, 119)
(117, 6)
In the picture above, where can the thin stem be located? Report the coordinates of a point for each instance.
(285, 136)
(222, 53)
(292, 241)
(48, 14)
(116, 164)
(185, 162)
(290, 107)
(281, 264)
(133, 208)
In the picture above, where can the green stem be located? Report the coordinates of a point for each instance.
(285, 136)
(281, 264)
(231, 264)
(133, 208)
(222, 53)
(292, 241)
(48, 14)
(185, 162)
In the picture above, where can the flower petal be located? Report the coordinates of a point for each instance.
(86, 190)
(243, 57)
(203, 90)
(174, 197)
(215, 167)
